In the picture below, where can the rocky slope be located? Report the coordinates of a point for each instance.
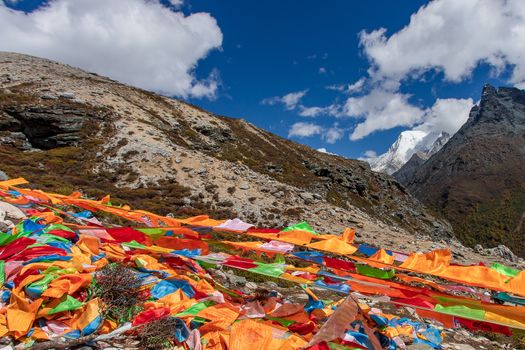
(64, 129)
(407, 171)
(477, 180)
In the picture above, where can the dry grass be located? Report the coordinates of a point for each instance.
(119, 288)
(159, 334)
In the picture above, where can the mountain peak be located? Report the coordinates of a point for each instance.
(477, 180)
(407, 144)
(503, 108)
(488, 90)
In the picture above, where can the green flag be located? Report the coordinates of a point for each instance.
(373, 272)
(69, 304)
(461, 310)
(504, 270)
(302, 226)
(2, 272)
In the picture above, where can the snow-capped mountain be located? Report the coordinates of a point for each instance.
(408, 143)
(439, 143)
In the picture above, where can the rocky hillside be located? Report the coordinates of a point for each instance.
(477, 180)
(406, 173)
(63, 128)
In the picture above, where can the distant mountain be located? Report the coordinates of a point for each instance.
(407, 144)
(477, 180)
(64, 129)
(406, 172)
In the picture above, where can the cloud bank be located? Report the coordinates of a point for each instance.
(290, 100)
(138, 42)
(448, 37)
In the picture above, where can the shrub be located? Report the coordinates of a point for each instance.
(119, 289)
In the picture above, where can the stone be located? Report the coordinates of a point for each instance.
(463, 347)
(244, 186)
(69, 95)
(3, 176)
(418, 346)
(178, 160)
(201, 171)
(16, 139)
(271, 285)
(504, 252)
(251, 285)
(234, 279)
(48, 96)
(220, 273)
(307, 196)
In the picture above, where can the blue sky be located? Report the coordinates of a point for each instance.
(268, 49)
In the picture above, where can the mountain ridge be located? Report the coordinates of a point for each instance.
(476, 180)
(167, 156)
(173, 158)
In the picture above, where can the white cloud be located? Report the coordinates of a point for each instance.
(332, 110)
(290, 101)
(520, 85)
(138, 42)
(453, 37)
(330, 135)
(357, 86)
(310, 111)
(333, 134)
(448, 36)
(301, 129)
(370, 154)
(322, 70)
(381, 110)
(324, 150)
(446, 115)
(348, 88)
(177, 3)
(337, 87)
(384, 110)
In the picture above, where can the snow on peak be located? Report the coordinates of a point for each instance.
(408, 143)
